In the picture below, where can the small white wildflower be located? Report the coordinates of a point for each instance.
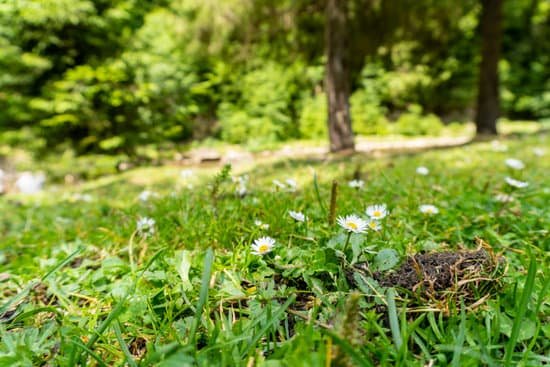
(429, 209)
(498, 146)
(352, 223)
(263, 245)
(356, 184)
(424, 171)
(241, 190)
(242, 180)
(539, 152)
(82, 197)
(291, 184)
(261, 224)
(30, 183)
(186, 173)
(514, 163)
(146, 226)
(377, 211)
(504, 198)
(298, 216)
(516, 183)
(374, 225)
(278, 184)
(145, 195)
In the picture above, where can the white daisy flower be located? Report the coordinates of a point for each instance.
(241, 190)
(82, 197)
(146, 226)
(504, 198)
(539, 152)
(377, 211)
(374, 225)
(424, 171)
(297, 216)
(352, 223)
(240, 179)
(261, 224)
(514, 163)
(356, 184)
(186, 173)
(291, 184)
(30, 183)
(498, 146)
(428, 209)
(516, 183)
(145, 195)
(263, 245)
(278, 184)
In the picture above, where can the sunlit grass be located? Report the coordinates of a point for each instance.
(79, 283)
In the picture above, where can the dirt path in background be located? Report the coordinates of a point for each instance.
(204, 156)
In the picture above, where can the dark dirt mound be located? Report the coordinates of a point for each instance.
(436, 276)
(437, 271)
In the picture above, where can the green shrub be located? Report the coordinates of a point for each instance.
(264, 107)
(367, 111)
(313, 117)
(367, 115)
(239, 127)
(413, 123)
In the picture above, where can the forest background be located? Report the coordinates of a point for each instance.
(115, 76)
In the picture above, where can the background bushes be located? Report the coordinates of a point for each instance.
(110, 76)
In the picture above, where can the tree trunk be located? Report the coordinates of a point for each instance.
(337, 76)
(488, 95)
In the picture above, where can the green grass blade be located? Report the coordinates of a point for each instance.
(274, 317)
(17, 297)
(62, 263)
(161, 352)
(119, 308)
(27, 289)
(457, 350)
(318, 194)
(87, 350)
(203, 295)
(123, 346)
(36, 311)
(350, 350)
(520, 312)
(394, 319)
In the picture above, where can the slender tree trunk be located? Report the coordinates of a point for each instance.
(337, 76)
(488, 97)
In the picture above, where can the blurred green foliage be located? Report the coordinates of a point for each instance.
(109, 76)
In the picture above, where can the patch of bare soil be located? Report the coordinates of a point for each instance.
(437, 278)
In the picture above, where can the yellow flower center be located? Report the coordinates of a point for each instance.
(376, 213)
(372, 224)
(351, 225)
(263, 248)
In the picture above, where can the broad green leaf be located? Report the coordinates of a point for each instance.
(386, 259)
(183, 263)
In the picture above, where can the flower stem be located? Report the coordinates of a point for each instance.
(347, 241)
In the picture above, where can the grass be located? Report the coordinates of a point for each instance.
(80, 286)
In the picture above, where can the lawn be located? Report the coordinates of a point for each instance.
(86, 278)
